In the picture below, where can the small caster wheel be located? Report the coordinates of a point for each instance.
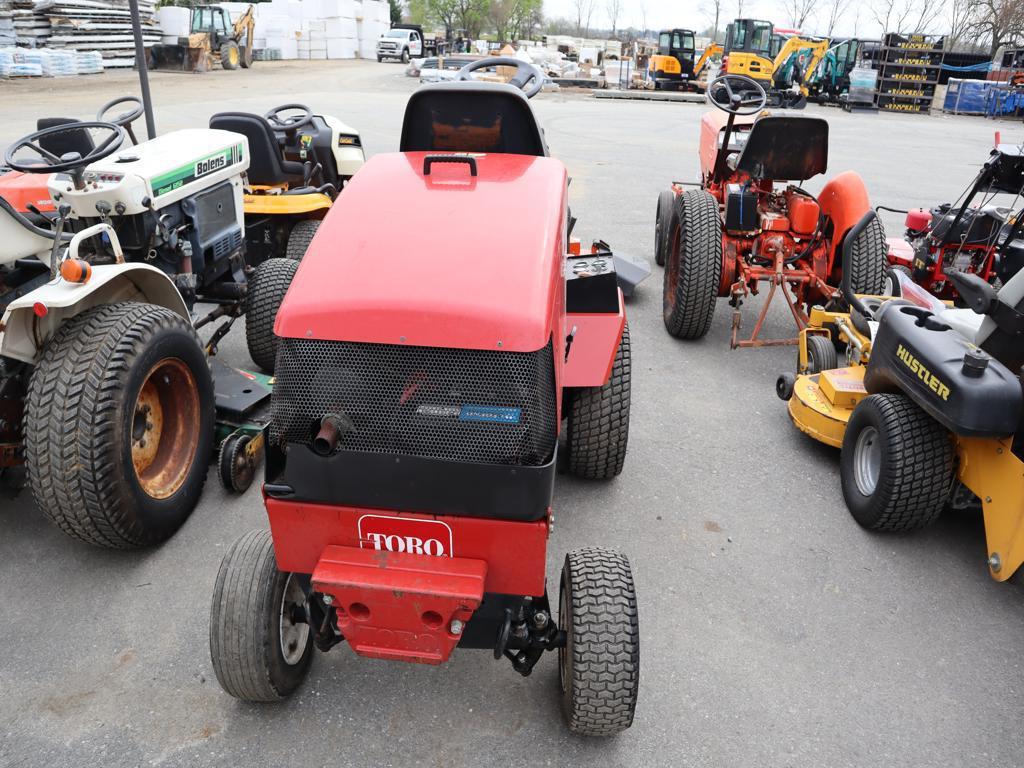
(784, 386)
(240, 455)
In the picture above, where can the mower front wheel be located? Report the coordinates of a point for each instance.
(260, 645)
(693, 265)
(119, 425)
(663, 225)
(896, 465)
(821, 354)
(266, 292)
(599, 421)
(599, 667)
(300, 237)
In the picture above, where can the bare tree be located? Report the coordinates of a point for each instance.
(614, 8)
(908, 16)
(799, 11)
(643, 18)
(836, 10)
(584, 9)
(713, 10)
(740, 5)
(999, 22)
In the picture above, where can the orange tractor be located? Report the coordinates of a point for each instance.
(742, 227)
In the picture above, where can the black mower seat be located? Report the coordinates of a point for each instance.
(267, 166)
(62, 143)
(785, 148)
(471, 117)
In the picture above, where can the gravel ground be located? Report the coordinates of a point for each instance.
(774, 630)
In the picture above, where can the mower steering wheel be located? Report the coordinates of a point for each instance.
(528, 77)
(291, 123)
(125, 119)
(737, 102)
(50, 163)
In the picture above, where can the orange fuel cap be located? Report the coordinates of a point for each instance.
(75, 270)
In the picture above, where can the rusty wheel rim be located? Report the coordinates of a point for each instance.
(671, 273)
(165, 428)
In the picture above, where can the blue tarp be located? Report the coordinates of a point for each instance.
(967, 97)
(985, 66)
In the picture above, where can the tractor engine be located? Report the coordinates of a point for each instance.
(779, 223)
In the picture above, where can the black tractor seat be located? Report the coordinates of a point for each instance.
(785, 148)
(465, 116)
(267, 166)
(61, 144)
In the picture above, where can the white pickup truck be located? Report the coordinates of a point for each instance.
(405, 41)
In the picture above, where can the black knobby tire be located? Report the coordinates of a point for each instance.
(598, 428)
(245, 624)
(663, 224)
(869, 260)
(230, 57)
(405, 56)
(234, 465)
(693, 266)
(245, 53)
(599, 667)
(82, 413)
(892, 282)
(380, 59)
(915, 467)
(266, 292)
(300, 237)
(821, 354)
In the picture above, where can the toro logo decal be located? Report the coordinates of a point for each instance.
(403, 534)
(917, 368)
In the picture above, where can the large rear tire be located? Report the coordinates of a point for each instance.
(896, 465)
(119, 425)
(229, 56)
(599, 667)
(663, 224)
(870, 260)
(300, 237)
(266, 292)
(259, 650)
(693, 265)
(599, 421)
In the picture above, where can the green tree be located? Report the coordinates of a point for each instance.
(513, 19)
(444, 11)
(396, 11)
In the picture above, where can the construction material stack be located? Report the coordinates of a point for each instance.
(908, 72)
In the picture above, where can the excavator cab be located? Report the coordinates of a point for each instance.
(748, 50)
(672, 67)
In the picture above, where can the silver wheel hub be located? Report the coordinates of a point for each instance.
(867, 460)
(294, 635)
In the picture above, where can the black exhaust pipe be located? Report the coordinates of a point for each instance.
(332, 429)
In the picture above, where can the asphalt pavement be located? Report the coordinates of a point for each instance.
(774, 631)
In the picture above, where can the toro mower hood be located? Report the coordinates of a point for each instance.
(437, 250)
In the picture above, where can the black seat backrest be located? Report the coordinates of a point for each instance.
(62, 143)
(785, 148)
(267, 165)
(471, 117)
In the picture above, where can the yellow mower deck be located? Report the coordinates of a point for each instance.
(996, 476)
(822, 403)
(285, 205)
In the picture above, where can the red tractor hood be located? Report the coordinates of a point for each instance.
(440, 260)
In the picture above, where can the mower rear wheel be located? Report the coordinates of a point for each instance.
(229, 56)
(821, 354)
(236, 463)
(119, 425)
(260, 645)
(896, 465)
(599, 667)
(300, 237)
(266, 292)
(599, 421)
(663, 224)
(693, 265)
(870, 260)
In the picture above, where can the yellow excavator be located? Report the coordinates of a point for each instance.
(781, 64)
(212, 37)
(673, 66)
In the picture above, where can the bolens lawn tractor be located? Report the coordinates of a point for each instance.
(739, 230)
(416, 418)
(930, 418)
(985, 239)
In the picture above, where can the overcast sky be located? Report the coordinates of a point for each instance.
(693, 15)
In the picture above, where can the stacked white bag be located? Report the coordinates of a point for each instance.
(374, 20)
(55, 63)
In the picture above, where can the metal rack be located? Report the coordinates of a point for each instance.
(908, 72)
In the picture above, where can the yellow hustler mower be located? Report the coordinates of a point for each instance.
(927, 409)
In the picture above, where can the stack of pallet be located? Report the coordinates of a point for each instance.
(98, 25)
(31, 29)
(6, 24)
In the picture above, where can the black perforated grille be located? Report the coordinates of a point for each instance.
(456, 404)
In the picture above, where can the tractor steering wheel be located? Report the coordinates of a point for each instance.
(528, 77)
(739, 101)
(48, 162)
(125, 119)
(292, 122)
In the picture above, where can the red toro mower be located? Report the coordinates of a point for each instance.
(419, 400)
(975, 235)
(740, 230)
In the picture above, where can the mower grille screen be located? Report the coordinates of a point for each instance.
(461, 405)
